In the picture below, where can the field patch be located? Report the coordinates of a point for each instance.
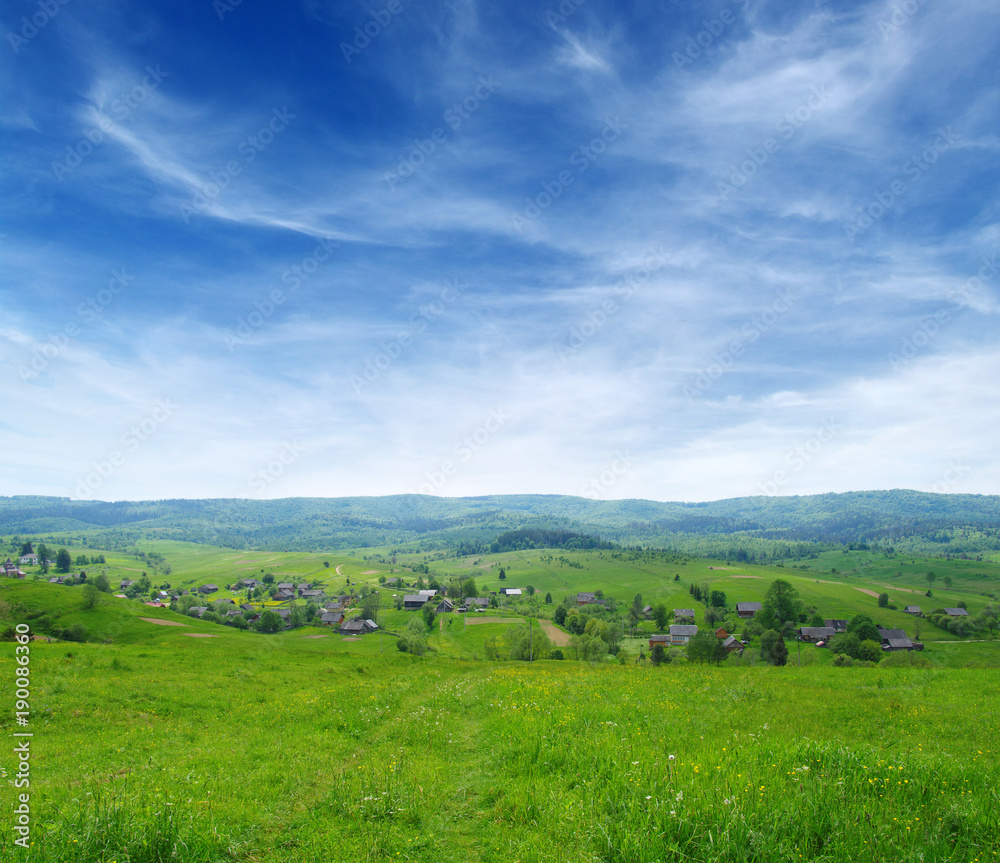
(315, 636)
(865, 590)
(371, 572)
(745, 576)
(200, 635)
(472, 621)
(159, 622)
(555, 634)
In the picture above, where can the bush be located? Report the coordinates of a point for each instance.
(870, 651)
(883, 600)
(842, 660)
(905, 659)
(556, 654)
(77, 632)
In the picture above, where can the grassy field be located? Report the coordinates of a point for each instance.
(288, 748)
(153, 745)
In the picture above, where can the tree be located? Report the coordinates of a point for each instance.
(26, 548)
(781, 604)
(370, 607)
(548, 599)
(269, 622)
(930, 579)
(428, 614)
(560, 616)
(846, 643)
(657, 654)
(268, 579)
(701, 648)
(102, 583)
(43, 558)
(947, 582)
(531, 590)
(772, 648)
(864, 628)
(717, 599)
(91, 595)
(661, 616)
(883, 600)
(870, 651)
(502, 574)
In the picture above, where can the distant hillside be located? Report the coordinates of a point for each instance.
(749, 528)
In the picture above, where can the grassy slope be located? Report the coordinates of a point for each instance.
(281, 749)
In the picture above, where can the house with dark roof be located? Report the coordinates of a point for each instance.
(251, 582)
(731, 643)
(332, 618)
(895, 639)
(358, 626)
(475, 602)
(647, 611)
(659, 639)
(314, 595)
(413, 601)
(28, 559)
(914, 610)
(197, 610)
(586, 599)
(445, 605)
(956, 612)
(814, 634)
(687, 613)
(208, 588)
(283, 594)
(747, 610)
(682, 633)
(285, 585)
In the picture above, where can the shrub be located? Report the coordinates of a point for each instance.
(870, 651)
(556, 654)
(842, 660)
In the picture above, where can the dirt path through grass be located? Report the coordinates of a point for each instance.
(555, 634)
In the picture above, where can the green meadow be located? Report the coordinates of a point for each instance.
(199, 742)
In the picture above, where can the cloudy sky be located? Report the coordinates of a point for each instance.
(679, 251)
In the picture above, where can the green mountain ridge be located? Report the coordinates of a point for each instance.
(751, 527)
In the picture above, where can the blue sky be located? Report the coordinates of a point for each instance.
(674, 251)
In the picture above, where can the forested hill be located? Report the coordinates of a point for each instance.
(761, 526)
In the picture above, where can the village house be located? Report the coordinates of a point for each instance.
(358, 626)
(956, 612)
(815, 634)
(747, 610)
(11, 570)
(895, 639)
(914, 610)
(647, 611)
(587, 599)
(659, 639)
(28, 559)
(510, 591)
(475, 602)
(208, 588)
(332, 618)
(731, 643)
(838, 626)
(685, 613)
(681, 633)
(313, 595)
(283, 595)
(197, 610)
(414, 601)
(445, 605)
